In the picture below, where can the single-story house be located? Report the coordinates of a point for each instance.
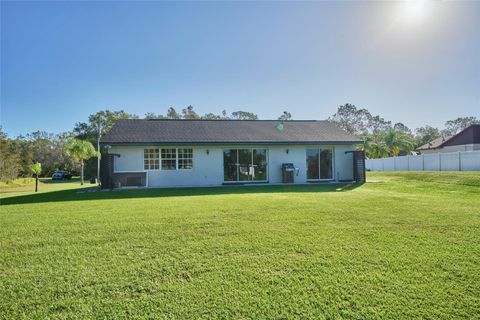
(466, 140)
(172, 153)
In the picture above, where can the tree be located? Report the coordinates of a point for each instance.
(376, 123)
(359, 121)
(36, 169)
(426, 134)
(397, 141)
(353, 120)
(189, 114)
(23, 149)
(81, 150)
(211, 116)
(401, 127)
(375, 145)
(173, 114)
(46, 148)
(285, 116)
(98, 125)
(453, 127)
(244, 115)
(151, 116)
(10, 163)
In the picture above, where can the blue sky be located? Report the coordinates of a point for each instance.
(61, 61)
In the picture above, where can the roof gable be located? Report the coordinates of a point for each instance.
(141, 131)
(468, 135)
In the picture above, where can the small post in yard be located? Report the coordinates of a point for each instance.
(459, 160)
(36, 169)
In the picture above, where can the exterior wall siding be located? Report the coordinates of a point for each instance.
(208, 168)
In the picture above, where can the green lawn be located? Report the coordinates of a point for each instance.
(405, 246)
(27, 185)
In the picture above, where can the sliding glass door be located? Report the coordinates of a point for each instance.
(319, 164)
(245, 165)
(230, 167)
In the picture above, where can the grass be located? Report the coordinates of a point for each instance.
(407, 246)
(27, 185)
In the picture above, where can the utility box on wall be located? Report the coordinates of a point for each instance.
(359, 166)
(106, 170)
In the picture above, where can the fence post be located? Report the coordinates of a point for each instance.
(440, 161)
(459, 160)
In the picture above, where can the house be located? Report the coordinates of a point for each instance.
(466, 140)
(172, 153)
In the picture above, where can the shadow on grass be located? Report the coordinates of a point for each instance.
(73, 195)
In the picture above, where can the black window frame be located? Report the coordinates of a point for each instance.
(319, 151)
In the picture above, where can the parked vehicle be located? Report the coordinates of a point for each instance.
(61, 175)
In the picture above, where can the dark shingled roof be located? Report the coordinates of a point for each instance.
(434, 144)
(469, 135)
(140, 131)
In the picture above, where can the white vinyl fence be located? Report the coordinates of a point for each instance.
(451, 161)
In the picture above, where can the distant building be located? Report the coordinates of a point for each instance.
(466, 140)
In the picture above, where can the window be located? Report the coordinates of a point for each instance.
(185, 158)
(151, 159)
(245, 165)
(319, 164)
(169, 159)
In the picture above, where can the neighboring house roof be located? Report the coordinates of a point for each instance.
(434, 144)
(469, 135)
(141, 131)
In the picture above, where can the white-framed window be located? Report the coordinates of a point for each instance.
(169, 159)
(185, 158)
(151, 159)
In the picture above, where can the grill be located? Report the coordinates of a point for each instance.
(288, 171)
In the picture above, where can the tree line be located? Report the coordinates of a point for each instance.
(382, 138)
(54, 151)
(18, 155)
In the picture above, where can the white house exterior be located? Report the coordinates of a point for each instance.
(178, 153)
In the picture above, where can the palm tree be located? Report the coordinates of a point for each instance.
(398, 140)
(81, 150)
(36, 169)
(375, 146)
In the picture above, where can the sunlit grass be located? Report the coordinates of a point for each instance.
(27, 185)
(406, 246)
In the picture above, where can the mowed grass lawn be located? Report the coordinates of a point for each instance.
(406, 245)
